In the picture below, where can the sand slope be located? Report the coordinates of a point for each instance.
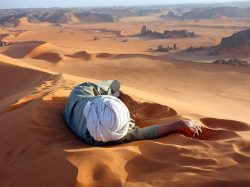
(38, 149)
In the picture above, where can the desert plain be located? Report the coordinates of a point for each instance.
(44, 63)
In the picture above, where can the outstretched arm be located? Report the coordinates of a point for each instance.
(188, 127)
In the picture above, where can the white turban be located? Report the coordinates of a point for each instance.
(107, 118)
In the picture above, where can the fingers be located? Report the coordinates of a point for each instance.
(199, 129)
(194, 127)
(194, 131)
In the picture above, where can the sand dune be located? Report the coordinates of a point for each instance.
(45, 51)
(45, 149)
(23, 22)
(38, 149)
(22, 48)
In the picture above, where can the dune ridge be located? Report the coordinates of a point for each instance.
(38, 72)
(61, 155)
(54, 54)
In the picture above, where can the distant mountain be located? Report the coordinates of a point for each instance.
(57, 16)
(170, 14)
(127, 12)
(26, 10)
(238, 43)
(239, 4)
(211, 13)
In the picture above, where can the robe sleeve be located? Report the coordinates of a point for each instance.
(135, 133)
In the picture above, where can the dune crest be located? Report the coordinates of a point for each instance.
(45, 51)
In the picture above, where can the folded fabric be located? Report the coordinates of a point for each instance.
(107, 118)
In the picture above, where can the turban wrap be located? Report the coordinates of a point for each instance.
(107, 118)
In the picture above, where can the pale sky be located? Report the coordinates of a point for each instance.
(4, 4)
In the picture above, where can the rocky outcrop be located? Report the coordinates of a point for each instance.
(32, 19)
(4, 43)
(127, 11)
(167, 34)
(11, 20)
(166, 49)
(191, 49)
(57, 17)
(7, 24)
(233, 61)
(212, 13)
(170, 14)
(238, 43)
(95, 17)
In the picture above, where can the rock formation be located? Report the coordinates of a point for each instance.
(127, 11)
(191, 49)
(95, 17)
(170, 14)
(167, 34)
(56, 16)
(4, 43)
(238, 43)
(212, 13)
(166, 49)
(233, 61)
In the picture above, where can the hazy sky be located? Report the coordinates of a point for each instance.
(94, 3)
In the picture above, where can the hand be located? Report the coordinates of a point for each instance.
(190, 127)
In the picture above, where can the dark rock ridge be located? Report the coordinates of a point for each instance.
(191, 49)
(4, 43)
(209, 13)
(166, 49)
(212, 13)
(170, 14)
(57, 16)
(95, 17)
(167, 34)
(233, 61)
(238, 43)
(126, 11)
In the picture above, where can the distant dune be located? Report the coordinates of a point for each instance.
(45, 51)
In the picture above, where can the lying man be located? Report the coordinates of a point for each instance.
(95, 114)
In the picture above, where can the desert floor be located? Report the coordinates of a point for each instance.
(46, 61)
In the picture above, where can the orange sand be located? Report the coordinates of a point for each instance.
(38, 72)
